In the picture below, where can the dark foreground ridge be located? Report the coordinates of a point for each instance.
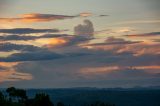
(18, 97)
(85, 96)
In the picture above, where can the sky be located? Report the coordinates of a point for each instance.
(79, 43)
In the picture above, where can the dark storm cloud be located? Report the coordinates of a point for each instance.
(28, 31)
(26, 38)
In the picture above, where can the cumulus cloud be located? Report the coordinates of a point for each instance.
(86, 29)
(83, 34)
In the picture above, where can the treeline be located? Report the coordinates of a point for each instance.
(18, 97)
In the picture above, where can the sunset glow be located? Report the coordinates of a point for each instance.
(72, 43)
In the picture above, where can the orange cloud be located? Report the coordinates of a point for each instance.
(118, 45)
(141, 48)
(85, 14)
(98, 70)
(10, 64)
(37, 17)
(12, 75)
(154, 68)
(9, 74)
(53, 42)
(57, 41)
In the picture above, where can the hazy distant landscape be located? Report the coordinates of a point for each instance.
(120, 97)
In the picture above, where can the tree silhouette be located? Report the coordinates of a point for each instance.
(2, 99)
(42, 100)
(60, 104)
(17, 94)
(12, 93)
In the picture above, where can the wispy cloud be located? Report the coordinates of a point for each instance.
(7, 47)
(151, 34)
(29, 37)
(28, 31)
(114, 41)
(38, 17)
(8, 73)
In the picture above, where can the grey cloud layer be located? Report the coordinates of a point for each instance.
(151, 34)
(26, 38)
(28, 31)
(69, 63)
(7, 47)
(31, 56)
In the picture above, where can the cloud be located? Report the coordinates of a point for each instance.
(156, 40)
(83, 34)
(85, 29)
(114, 41)
(141, 48)
(7, 47)
(12, 75)
(69, 69)
(108, 68)
(103, 15)
(119, 45)
(151, 34)
(31, 56)
(9, 74)
(28, 31)
(85, 14)
(26, 38)
(38, 17)
(27, 53)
